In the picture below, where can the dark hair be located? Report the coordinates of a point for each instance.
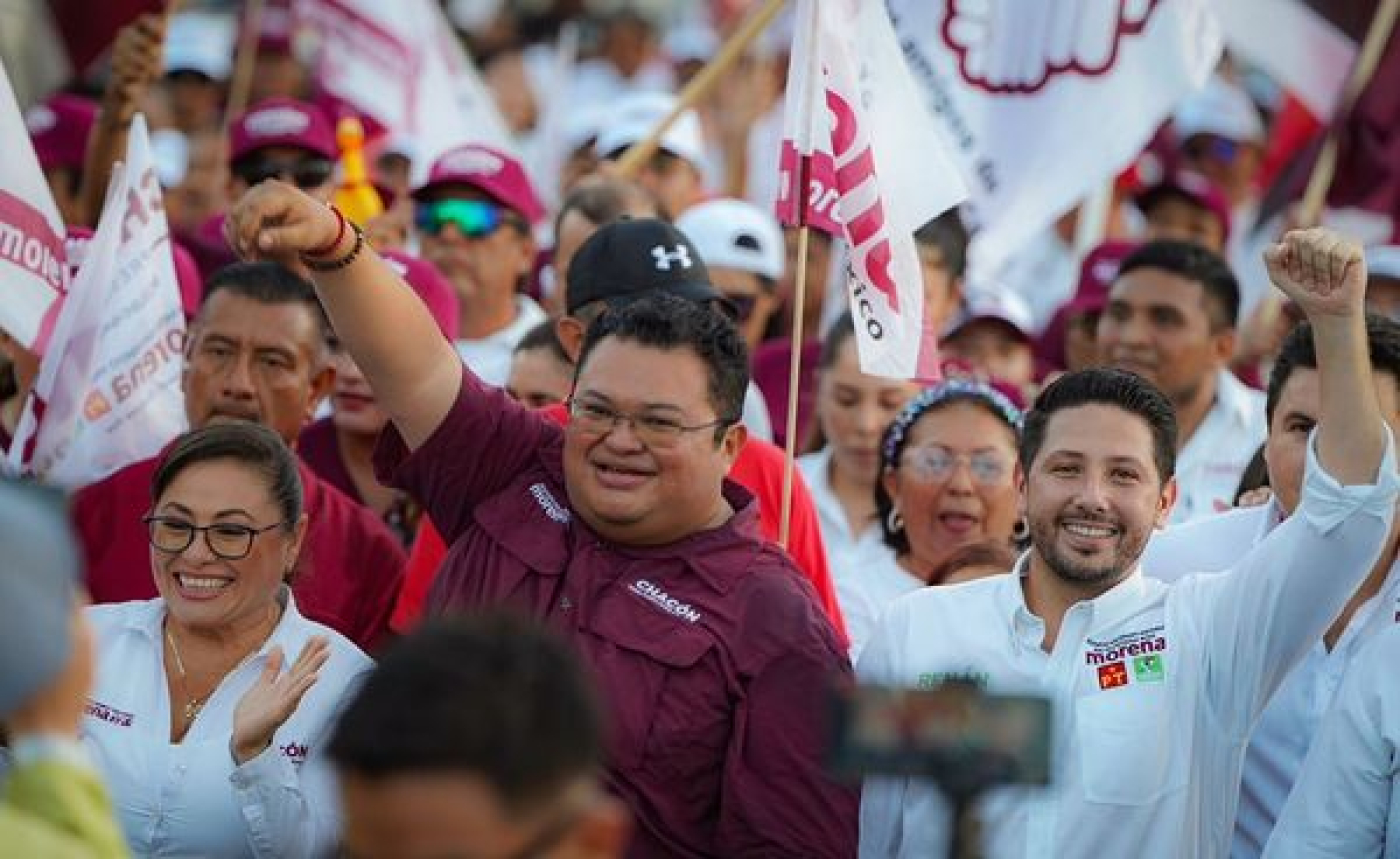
(667, 322)
(1198, 265)
(984, 553)
(494, 696)
(268, 283)
(1254, 476)
(934, 398)
(840, 333)
(543, 337)
(602, 200)
(949, 235)
(1298, 351)
(1109, 387)
(251, 445)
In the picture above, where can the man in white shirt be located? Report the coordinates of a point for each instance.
(1281, 739)
(475, 215)
(1155, 687)
(1346, 802)
(1171, 319)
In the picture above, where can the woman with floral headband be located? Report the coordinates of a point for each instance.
(947, 478)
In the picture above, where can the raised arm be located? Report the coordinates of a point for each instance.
(1325, 274)
(414, 371)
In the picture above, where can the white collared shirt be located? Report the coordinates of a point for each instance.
(1347, 802)
(190, 799)
(1281, 739)
(1209, 466)
(863, 568)
(1154, 687)
(489, 357)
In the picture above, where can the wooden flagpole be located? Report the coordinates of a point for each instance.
(1367, 59)
(699, 86)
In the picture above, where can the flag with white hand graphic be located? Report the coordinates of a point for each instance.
(108, 392)
(33, 275)
(863, 160)
(1045, 102)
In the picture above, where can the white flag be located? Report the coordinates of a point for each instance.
(401, 64)
(33, 275)
(875, 170)
(108, 392)
(1045, 101)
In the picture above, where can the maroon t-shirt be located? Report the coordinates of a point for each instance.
(713, 653)
(349, 572)
(319, 448)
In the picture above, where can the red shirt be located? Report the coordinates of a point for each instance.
(349, 571)
(713, 655)
(758, 468)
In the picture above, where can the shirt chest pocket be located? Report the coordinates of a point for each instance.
(667, 700)
(1127, 749)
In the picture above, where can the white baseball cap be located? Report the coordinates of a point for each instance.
(996, 303)
(735, 234)
(200, 42)
(1381, 261)
(633, 118)
(1220, 108)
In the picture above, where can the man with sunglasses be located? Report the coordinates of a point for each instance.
(475, 216)
(743, 246)
(621, 532)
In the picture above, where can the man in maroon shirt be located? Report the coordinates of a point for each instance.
(621, 532)
(257, 351)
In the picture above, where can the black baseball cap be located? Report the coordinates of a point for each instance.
(636, 257)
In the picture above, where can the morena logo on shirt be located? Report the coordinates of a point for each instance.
(110, 715)
(295, 752)
(664, 601)
(1124, 647)
(548, 503)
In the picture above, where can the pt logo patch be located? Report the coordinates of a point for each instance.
(1113, 675)
(1149, 669)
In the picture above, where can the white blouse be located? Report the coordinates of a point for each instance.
(190, 798)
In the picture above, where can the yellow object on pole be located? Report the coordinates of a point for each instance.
(355, 197)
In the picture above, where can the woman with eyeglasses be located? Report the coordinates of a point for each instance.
(947, 479)
(212, 701)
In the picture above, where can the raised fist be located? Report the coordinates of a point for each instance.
(1014, 46)
(1323, 272)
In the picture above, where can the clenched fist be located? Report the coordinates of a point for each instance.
(277, 222)
(1323, 272)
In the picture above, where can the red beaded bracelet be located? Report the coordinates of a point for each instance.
(334, 243)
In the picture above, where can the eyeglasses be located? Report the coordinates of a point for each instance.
(306, 173)
(935, 464)
(475, 219)
(652, 430)
(227, 540)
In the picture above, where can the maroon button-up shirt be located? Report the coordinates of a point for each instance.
(713, 654)
(348, 575)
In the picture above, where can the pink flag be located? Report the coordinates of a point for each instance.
(33, 275)
(108, 391)
(863, 160)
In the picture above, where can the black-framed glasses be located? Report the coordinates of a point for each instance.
(935, 464)
(228, 541)
(306, 173)
(659, 431)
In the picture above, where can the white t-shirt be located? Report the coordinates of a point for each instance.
(1155, 687)
(1347, 802)
(190, 799)
(489, 357)
(1209, 467)
(1290, 722)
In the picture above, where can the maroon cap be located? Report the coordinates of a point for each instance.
(1097, 273)
(1194, 187)
(59, 129)
(432, 287)
(282, 122)
(490, 171)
